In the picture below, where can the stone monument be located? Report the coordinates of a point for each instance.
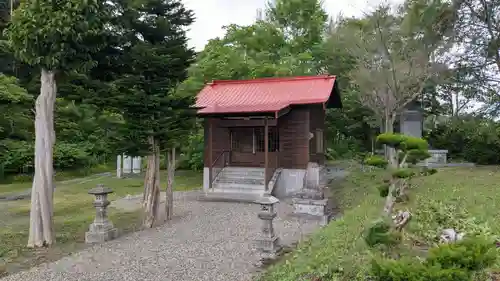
(101, 229)
(411, 123)
(411, 120)
(126, 165)
(311, 199)
(268, 242)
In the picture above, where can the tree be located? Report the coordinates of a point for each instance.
(394, 56)
(477, 36)
(151, 48)
(55, 36)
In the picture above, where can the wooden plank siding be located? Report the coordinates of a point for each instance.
(221, 141)
(294, 143)
(295, 147)
(317, 121)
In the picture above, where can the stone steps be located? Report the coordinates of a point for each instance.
(215, 196)
(237, 184)
(242, 180)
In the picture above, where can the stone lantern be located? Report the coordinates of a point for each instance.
(268, 242)
(101, 229)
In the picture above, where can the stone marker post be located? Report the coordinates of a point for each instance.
(101, 229)
(268, 242)
(119, 170)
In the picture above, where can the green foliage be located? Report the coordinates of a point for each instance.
(402, 142)
(468, 138)
(433, 216)
(68, 155)
(15, 122)
(152, 59)
(376, 161)
(18, 157)
(454, 262)
(192, 152)
(470, 254)
(425, 171)
(380, 233)
(407, 269)
(403, 173)
(383, 189)
(57, 35)
(416, 155)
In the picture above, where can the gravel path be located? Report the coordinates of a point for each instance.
(205, 241)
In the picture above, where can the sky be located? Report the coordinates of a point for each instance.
(212, 15)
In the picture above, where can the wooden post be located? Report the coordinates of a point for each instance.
(210, 153)
(266, 152)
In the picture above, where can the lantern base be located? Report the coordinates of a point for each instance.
(269, 245)
(100, 235)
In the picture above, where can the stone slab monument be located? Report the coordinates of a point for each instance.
(411, 123)
(126, 165)
(311, 200)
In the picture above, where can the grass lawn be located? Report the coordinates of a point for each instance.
(73, 212)
(339, 247)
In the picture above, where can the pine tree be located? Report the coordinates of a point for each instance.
(153, 60)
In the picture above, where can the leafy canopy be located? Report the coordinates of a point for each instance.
(58, 34)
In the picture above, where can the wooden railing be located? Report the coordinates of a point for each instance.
(221, 161)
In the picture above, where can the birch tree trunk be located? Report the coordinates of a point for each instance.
(169, 203)
(41, 231)
(152, 185)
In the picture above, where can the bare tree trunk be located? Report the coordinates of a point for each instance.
(390, 151)
(169, 203)
(41, 231)
(390, 200)
(152, 186)
(393, 164)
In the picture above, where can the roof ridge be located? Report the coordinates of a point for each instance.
(272, 79)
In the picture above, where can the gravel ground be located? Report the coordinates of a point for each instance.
(205, 241)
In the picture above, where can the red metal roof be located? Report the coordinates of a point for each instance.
(264, 94)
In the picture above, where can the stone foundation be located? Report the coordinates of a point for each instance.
(437, 156)
(312, 207)
(97, 234)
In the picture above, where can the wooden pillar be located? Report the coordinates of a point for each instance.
(210, 152)
(266, 152)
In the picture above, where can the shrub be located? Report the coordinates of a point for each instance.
(383, 189)
(380, 233)
(402, 142)
(448, 262)
(403, 173)
(192, 152)
(71, 156)
(376, 161)
(471, 139)
(471, 254)
(433, 216)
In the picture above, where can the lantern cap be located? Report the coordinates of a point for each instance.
(100, 189)
(267, 200)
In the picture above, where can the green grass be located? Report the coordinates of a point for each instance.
(73, 212)
(23, 182)
(339, 246)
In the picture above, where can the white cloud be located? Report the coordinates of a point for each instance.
(212, 15)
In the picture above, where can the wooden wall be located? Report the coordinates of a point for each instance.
(221, 141)
(296, 149)
(317, 121)
(294, 142)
